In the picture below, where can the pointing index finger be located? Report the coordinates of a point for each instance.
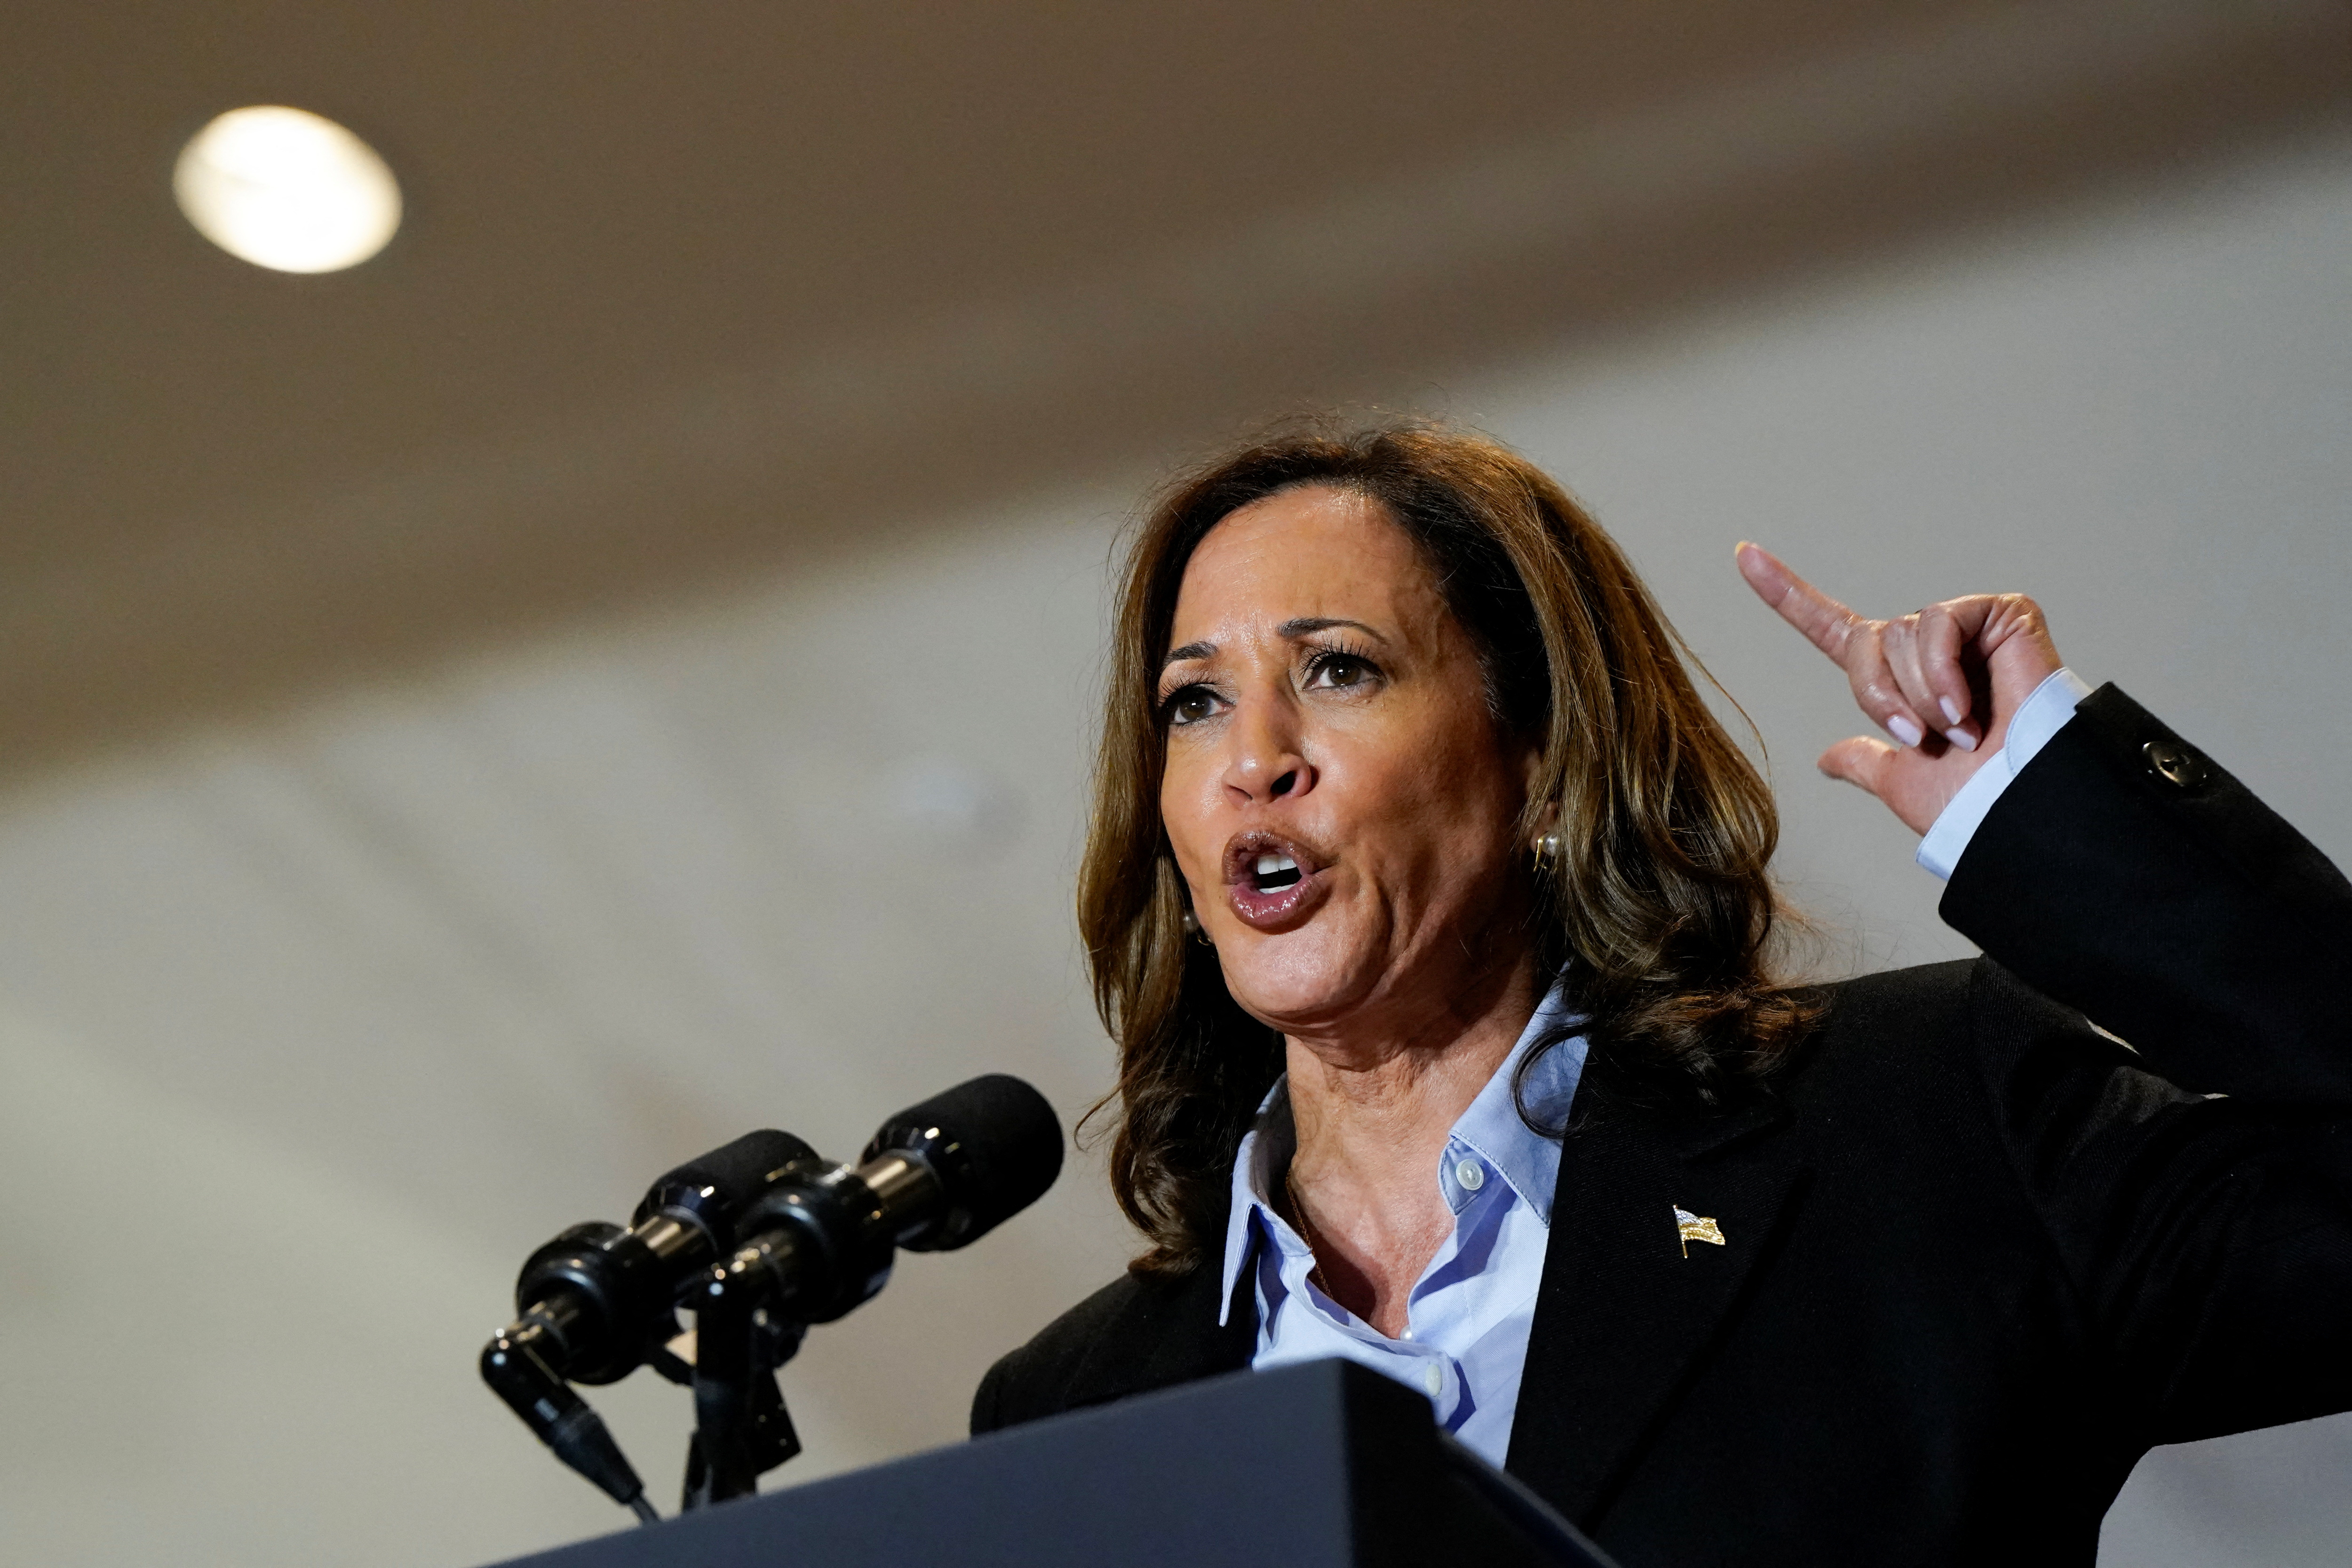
(1825, 623)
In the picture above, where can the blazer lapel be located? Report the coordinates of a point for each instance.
(1167, 1333)
(1628, 1306)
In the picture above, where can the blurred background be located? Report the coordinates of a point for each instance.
(617, 668)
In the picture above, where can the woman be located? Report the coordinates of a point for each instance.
(1428, 905)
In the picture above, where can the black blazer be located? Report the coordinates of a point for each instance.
(1980, 1255)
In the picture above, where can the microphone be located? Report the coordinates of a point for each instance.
(810, 1241)
(590, 1303)
(935, 1177)
(819, 1242)
(993, 1145)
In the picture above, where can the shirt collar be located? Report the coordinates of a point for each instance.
(1491, 1126)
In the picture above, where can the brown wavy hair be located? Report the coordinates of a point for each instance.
(1658, 910)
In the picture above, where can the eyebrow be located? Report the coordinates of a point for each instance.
(1298, 627)
(1305, 623)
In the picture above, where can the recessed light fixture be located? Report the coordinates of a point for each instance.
(287, 189)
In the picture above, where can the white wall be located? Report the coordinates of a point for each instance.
(308, 1032)
(2140, 416)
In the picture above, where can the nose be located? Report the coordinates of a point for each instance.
(1266, 761)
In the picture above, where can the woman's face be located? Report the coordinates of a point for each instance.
(1342, 805)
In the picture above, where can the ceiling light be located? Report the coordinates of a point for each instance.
(286, 189)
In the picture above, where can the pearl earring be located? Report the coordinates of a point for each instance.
(1192, 929)
(1547, 848)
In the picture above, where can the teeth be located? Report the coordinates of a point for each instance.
(1275, 872)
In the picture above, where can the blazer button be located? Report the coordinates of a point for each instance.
(2175, 764)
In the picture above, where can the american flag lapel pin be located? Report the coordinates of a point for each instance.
(1693, 1227)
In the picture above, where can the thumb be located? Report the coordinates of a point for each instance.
(1859, 761)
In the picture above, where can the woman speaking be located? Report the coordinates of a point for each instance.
(1429, 906)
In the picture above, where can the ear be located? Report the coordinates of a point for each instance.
(1531, 761)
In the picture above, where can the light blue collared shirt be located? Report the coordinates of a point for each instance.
(1468, 1315)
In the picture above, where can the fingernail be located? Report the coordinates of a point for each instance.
(1952, 714)
(1904, 730)
(1960, 738)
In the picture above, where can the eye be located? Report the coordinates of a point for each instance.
(1188, 705)
(1337, 670)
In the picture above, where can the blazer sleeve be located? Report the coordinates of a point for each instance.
(2125, 875)
(2197, 1185)
(987, 1402)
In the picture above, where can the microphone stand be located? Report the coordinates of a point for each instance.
(813, 1247)
(741, 1428)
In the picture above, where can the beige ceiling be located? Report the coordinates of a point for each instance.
(705, 292)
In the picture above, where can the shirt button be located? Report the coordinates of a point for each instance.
(1433, 1379)
(1470, 1174)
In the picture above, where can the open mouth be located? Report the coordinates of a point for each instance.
(1271, 882)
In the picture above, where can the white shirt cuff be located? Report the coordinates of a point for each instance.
(2041, 716)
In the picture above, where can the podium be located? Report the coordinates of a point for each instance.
(1325, 1465)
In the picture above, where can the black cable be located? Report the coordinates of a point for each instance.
(512, 1365)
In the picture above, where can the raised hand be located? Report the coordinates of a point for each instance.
(1943, 680)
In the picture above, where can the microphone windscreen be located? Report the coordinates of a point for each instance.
(720, 1185)
(995, 1145)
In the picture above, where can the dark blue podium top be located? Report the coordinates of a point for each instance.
(1321, 1465)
